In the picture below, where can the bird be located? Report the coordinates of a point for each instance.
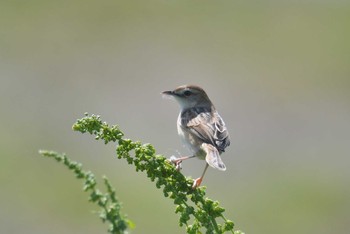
(200, 128)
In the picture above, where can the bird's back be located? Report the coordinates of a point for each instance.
(204, 125)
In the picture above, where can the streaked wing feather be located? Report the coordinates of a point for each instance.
(209, 128)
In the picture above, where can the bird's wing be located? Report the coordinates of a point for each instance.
(210, 128)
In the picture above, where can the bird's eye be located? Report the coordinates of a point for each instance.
(187, 93)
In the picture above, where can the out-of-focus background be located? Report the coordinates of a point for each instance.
(278, 72)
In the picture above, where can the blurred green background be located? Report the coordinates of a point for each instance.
(278, 72)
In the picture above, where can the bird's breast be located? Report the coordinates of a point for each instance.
(189, 139)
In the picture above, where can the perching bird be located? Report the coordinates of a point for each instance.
(200, 127)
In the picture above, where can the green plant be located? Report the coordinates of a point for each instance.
(197, 212)
(110, 206)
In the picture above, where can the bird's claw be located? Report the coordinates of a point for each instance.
(177, 162)
(197, 183)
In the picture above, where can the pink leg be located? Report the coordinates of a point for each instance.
(197, 182)
(178, 161)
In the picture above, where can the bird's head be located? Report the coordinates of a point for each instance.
(189, 96)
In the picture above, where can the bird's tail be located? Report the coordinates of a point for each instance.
(213, 157)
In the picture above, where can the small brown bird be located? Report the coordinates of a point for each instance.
(200, 127)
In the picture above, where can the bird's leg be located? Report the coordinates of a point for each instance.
(178, 161)
(197, 182)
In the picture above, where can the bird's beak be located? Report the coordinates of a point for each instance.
(171, 93)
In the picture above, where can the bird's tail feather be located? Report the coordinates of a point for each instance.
(213, 157)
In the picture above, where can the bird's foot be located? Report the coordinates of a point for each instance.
(197, 182)
(177, 162)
